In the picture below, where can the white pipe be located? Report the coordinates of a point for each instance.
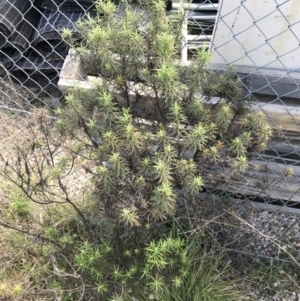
(195, 6)
(184, 49)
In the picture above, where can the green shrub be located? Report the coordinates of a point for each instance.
(151, 134)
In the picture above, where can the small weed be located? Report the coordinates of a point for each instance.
(17, 290)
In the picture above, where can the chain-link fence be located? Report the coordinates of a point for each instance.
(260, 40)
(262, 43)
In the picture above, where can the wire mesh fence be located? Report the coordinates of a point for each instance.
(261, 42)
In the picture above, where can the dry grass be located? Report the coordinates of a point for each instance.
(20, 262)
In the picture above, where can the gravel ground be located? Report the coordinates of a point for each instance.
(276, 237)
(271, 233)
(12, 95)
(21, 98)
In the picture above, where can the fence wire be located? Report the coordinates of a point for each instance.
(261, 41)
